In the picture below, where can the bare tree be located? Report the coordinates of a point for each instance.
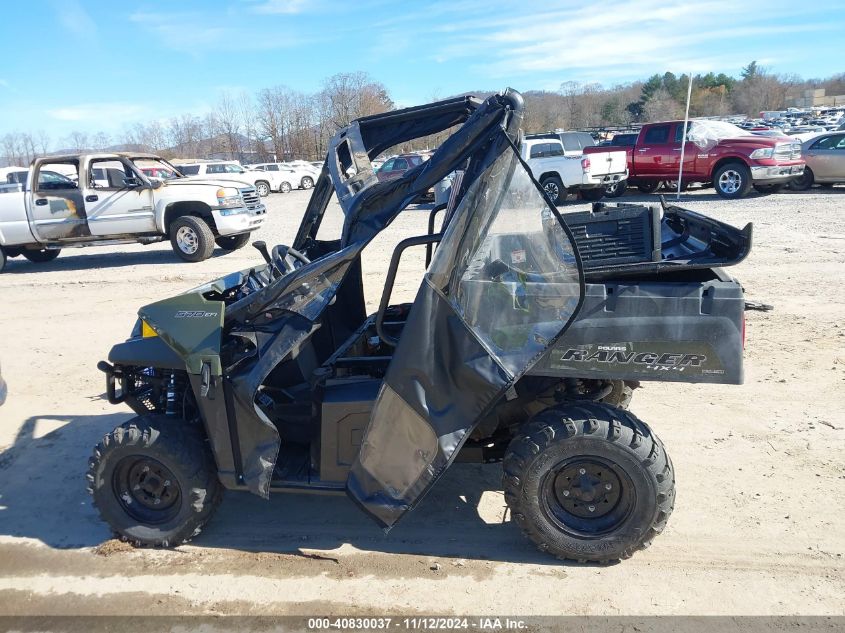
(228, 120)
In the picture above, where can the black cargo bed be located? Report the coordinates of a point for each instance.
(632, 240)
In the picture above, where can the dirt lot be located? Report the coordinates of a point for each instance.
(757, 527)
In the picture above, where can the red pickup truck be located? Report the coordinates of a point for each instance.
(730, 158)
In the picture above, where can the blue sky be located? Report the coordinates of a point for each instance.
(106, 64)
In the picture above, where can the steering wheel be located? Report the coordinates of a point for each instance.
(285, 259)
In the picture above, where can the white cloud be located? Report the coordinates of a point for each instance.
(75, 19)
(98, 112)
(284, 7)
(196, 33)
(625, 38)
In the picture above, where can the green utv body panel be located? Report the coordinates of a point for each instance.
(192, 326)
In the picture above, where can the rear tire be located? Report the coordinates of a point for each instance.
(553, 186)
(592, 195)
(285, 187)
(732, 181)
(649, 186)
(232, 242)
(588, 482)
(191, 238)
(153, 480)
(43, 256)
(3, 259)
(307, 182)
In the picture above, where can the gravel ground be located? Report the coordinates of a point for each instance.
(757, 527)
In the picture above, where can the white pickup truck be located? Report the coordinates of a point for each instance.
(64, 201)
(561, 172)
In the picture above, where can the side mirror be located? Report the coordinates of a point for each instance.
(132, 182)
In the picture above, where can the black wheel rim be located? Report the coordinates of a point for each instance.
(587, 497)
(552, 190)
(146, 489)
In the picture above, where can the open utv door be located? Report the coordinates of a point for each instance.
(504, 284)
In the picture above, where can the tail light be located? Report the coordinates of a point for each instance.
(585, 164)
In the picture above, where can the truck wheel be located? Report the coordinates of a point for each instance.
(616, 189)
(307, 182)
(154, 482)
(648, 187)
(191, 238)
(804, 181)
(553, 186)
(263, 188)
(588, 482)
(285, 187)
(593, 195)
(3, 259)
(232, 242)
(732, 181)
(43, 256)
(767, 189)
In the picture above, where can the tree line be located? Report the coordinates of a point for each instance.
(283, 123)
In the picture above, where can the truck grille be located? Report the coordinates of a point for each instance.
(788, 151)
(251, 198)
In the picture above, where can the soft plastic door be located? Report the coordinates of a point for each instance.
(504, 284)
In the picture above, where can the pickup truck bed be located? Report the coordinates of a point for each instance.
(658, 306)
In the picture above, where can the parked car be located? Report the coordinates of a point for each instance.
(112, 201)
(160, 172)
(295, 175)
(264, 182)
(716, 152)
(561, 173)
(396, 166)
(574, 143)
(825, 158)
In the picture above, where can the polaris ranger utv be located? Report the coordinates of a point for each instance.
(526, 336)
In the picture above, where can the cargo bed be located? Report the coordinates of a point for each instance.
(657, 306)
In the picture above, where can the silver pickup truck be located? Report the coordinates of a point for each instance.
(100, 199)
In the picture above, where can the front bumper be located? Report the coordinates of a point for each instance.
(776, 173)
(241, 222)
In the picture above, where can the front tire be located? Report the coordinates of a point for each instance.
(232, 242)
(153, 481)
(732, 181)
(588, 482)
(191, 238)
(43, 256)
(307, 182)
(804, 181)
(553, 186)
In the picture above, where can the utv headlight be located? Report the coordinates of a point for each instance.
(763, 152)
(229, 198)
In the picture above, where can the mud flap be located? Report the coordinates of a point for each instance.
(504, 284)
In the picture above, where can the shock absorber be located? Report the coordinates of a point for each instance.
(171, 395)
